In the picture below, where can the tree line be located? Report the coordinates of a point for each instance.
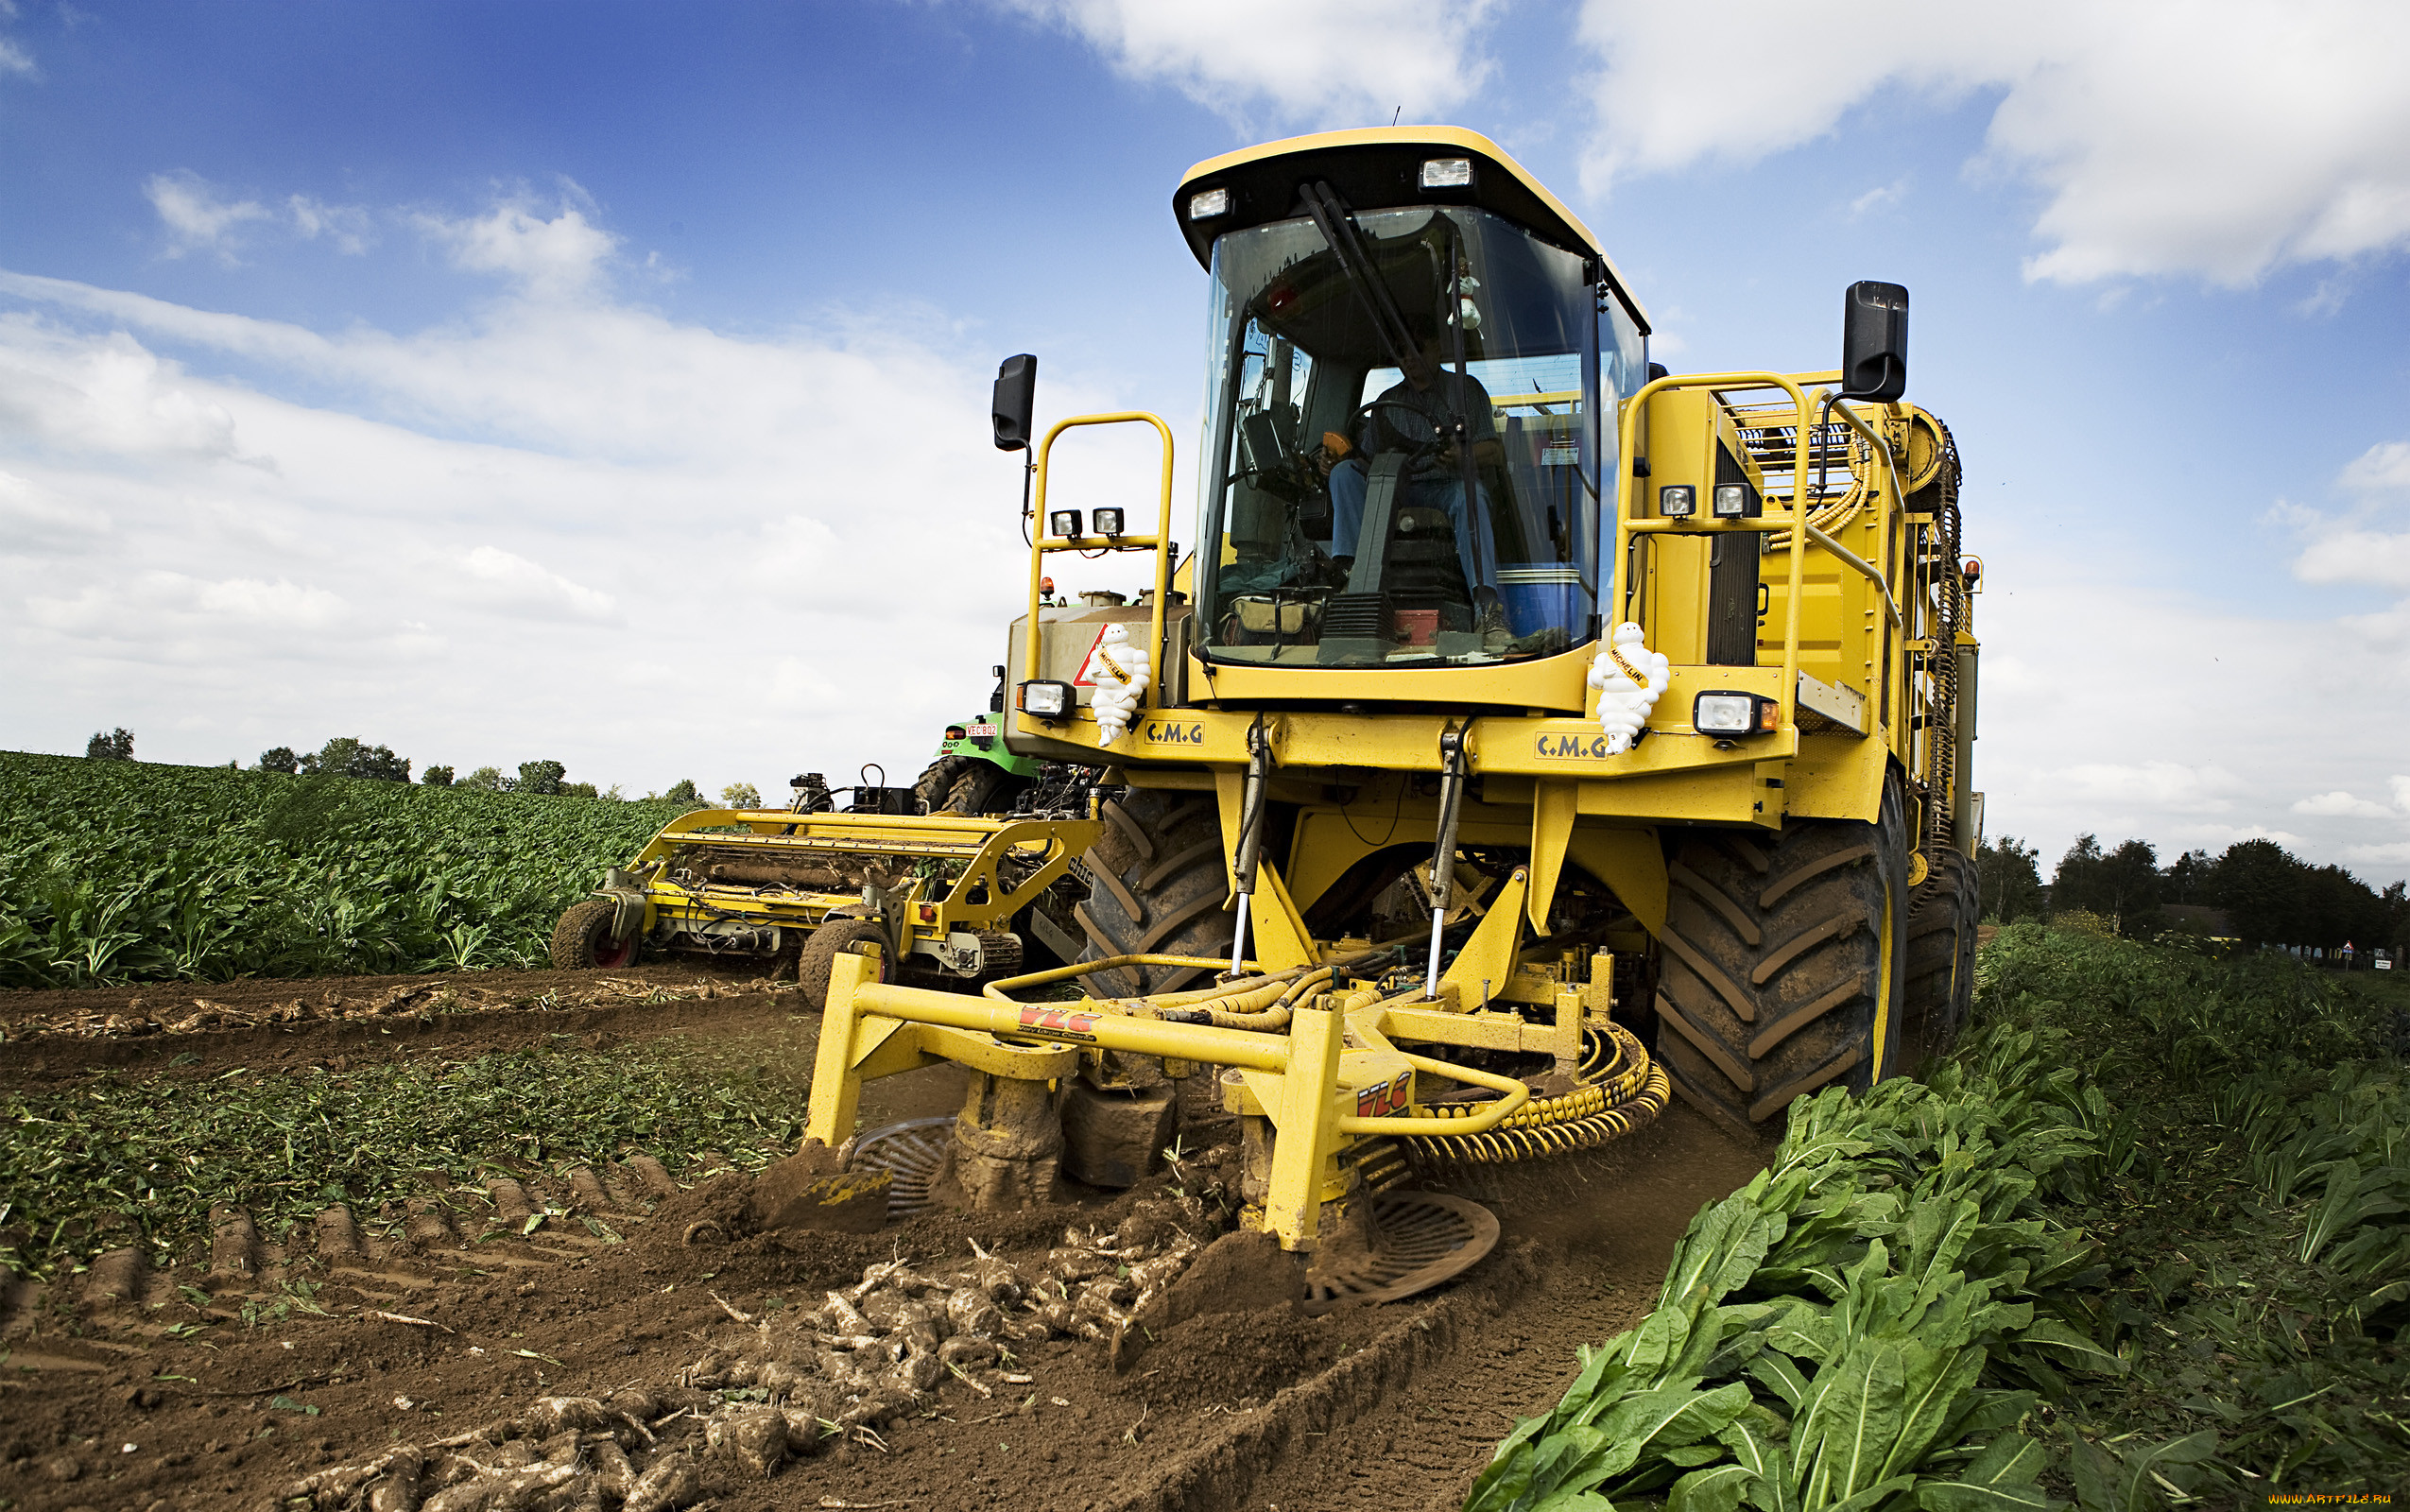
(2267, 895)
(346, 756)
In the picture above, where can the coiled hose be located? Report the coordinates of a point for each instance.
(1618, 1089)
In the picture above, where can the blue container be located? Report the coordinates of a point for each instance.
(1538, 594)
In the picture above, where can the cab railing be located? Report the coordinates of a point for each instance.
(1791, 520)
(1043, 545)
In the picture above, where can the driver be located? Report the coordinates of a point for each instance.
(1422, 409)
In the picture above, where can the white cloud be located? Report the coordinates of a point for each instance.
(1879, 198)
(532, 528)
(514, 583)
(347, 226)
(1353, 62)
(2383, 467)
(198, 218)
(548, 258)
(2339, 804)
(32, 520)
(15, 59)
(2187, 744)
(2218, 138)
(2356, 556)
(2395, 850)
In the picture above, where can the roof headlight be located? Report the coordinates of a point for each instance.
(1063, 522)
(1108, 521)
(1207, 203)
(1447, 173)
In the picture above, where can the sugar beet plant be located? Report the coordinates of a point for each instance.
(1862, 1326)
(121, 871)
(2178, 1276)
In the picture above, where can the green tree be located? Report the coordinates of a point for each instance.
(2189, 879)
(2121, 885)
(280, 759)
(117, 746)
(740, 796)
(2259, 884)
(486, 779)
(683, 791)
(2010, 872)
(541, 777)
(437, 777)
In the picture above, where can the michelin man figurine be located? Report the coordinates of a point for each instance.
(1628, 677)
(1119, 670)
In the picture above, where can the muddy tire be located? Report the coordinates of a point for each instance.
(1942, 958)
(1778, 975)
(1159, 886)
(937, 780)
(581, 941)
(837, 933)
(984, 788)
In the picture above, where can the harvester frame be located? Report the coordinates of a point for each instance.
(1770, 855)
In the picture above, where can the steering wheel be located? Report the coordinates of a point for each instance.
(1438, 442)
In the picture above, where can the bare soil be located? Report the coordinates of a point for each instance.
(172, 1399)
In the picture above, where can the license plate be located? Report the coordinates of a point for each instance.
(979, 732)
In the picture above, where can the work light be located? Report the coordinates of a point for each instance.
(1676, 501)
(1208, 203)
(1108, 521)
(1447, 173)
(1734, 714)
(1046, 701)
(1732, 501)
(1064, 523)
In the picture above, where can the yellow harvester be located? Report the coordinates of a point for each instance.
(1527, 730)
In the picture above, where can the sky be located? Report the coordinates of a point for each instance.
(606, 383)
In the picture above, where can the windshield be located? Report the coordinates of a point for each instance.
(1400, 459)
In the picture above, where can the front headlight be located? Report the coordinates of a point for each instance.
(1108, 521)
(1677, 501)
(1046, 701)
(1734, 714)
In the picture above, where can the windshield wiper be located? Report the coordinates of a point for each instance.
(1337, 225)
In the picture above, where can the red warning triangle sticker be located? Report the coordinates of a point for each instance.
(1084, 680)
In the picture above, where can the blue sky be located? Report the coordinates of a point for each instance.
(605, 381)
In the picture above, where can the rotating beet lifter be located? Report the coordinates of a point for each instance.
(1520, 703)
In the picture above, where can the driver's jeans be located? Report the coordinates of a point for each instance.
(1475, 547)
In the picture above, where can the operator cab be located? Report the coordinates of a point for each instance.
(1411, 349)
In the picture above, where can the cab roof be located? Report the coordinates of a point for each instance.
(1379, 168)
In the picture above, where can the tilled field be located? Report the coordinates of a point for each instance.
(610, 1334)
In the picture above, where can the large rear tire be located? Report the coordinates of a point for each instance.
(1941, 956)
(983, 788)
(581, 941)
(1158, 890)
(937, 780)
(1783, 963)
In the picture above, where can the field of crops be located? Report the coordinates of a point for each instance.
(2144, 1242)
(122, 871)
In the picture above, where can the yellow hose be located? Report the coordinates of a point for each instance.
(1616, 1095)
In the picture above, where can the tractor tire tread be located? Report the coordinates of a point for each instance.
(573, 939)
(1770, 978)
(819, 957)
(1160, 885)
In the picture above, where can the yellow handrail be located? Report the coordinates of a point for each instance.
(1040, 543)
(1625, 433)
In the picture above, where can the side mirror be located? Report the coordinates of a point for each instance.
(1016, 400)
(1875, 342)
